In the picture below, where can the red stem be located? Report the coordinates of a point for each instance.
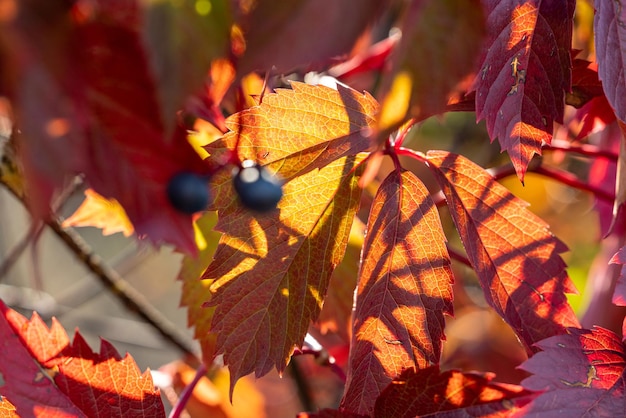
(186, 395)
(570, 179)
(584, 149)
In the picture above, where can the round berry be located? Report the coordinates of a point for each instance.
(257, 189)
(188, 192)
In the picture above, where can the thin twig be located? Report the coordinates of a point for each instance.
(570, 179)
(128, 295)
(19, 248)
(583, 149)
(186, 394)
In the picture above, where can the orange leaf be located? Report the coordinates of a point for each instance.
(337, 310)
(513, 252)
(100, 212)
(46, 375)
(299, 130)
(271, 272)
(195, 291)
(428, 393)
(403, 292)
(7, 409)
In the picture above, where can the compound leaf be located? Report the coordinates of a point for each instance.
(404, 289)
(46, 375)
(511, 249)
(581, 373)
(524, 74)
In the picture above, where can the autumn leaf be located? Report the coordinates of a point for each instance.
(429, 393)
(281, 39)
(270, 272)
(196, 292)
(619, 297)
(436, 34)
(586, 84)
(99, 212)
(404, 289)
(299, 130)
(610, 42)
(46, 375)
(511, 249)
(580, 374)
(89, 90)
(336, 313)
(524, 74)
(7, 409)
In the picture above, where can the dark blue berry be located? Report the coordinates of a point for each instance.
(257, 189)
(188, 192)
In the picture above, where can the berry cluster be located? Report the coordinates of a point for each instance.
(257, 189)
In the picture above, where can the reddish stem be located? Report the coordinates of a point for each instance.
(570, 179)
(455, 255)
(584, 149)
(186, 394)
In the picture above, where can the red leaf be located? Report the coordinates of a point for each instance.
(581, 374)
(443, 33)
(47, 376)
(302, 33)
(513, 252)
(619, 296)
(403, 292)
(86, 103)
(429, 393)
(585, 83)
(525, 72)
(610, 41)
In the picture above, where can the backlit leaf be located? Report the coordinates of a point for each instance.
(429, 393)
(196, 292)
(581, 373)
(511, 249)
(271, 272)
(336, 313)
(524, 74)
(403, 292)
(299, 130)
(99, 212)
(610, 42)
(302, 33)
(436, 34)
(46, 375)
(7, 409)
